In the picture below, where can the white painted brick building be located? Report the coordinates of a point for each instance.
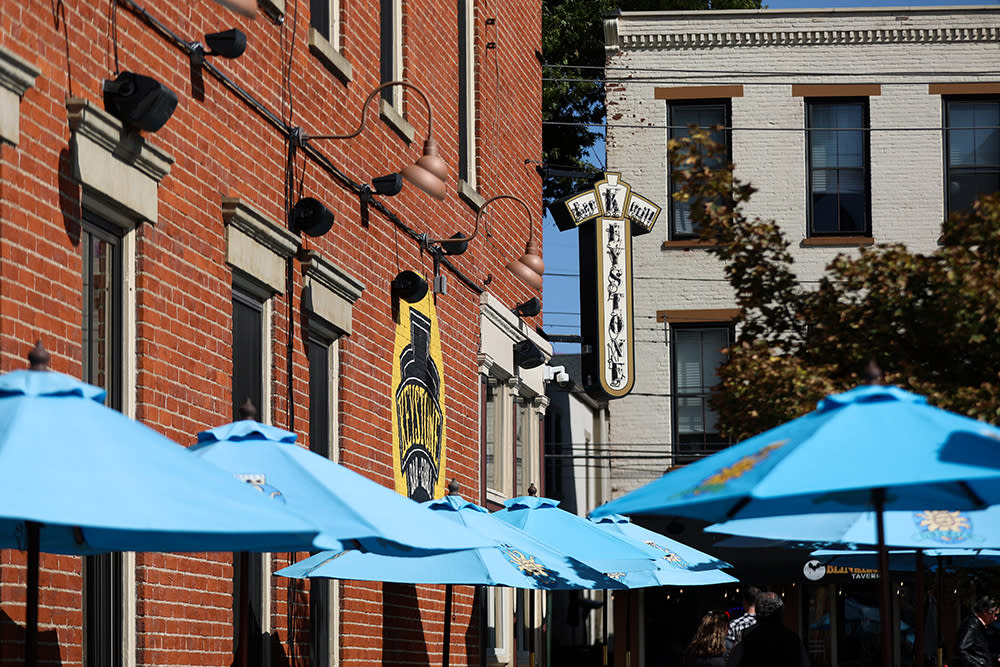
(895, 77)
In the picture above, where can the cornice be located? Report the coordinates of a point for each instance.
(16, 74)
(860, 36)
(108, 132)
(331, 276)
(256, 225)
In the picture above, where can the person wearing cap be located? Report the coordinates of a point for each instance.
(973, 647)
(769, 643)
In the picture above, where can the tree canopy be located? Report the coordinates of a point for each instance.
(573, 85)
(930, 321)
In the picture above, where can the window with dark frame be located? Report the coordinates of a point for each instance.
(319, 353)
(696, 354)
(682, 116)
(491, 433)
(102, 324)
(390, 46)
(319, 18)
(838, 157)
(248, 383)
(466, 93)
(972, 150)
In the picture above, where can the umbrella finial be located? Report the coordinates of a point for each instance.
(872, 373)
(248, 410)
(532, 489)
(453, 487)
(39, 357)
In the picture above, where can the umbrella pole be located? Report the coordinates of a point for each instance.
(878, 497)
(243, 622)
(531, 629)
(446, 650)
(918, 646)
(604, 628)
(31, 601)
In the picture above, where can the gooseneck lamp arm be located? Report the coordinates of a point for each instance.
(528, 268)
(429, 173)
(364, 112)
(457, 239)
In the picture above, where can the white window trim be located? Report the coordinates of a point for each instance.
(16, 77)
(328, 50)
(467, 183)
(121, 215)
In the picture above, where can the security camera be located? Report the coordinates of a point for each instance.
(558, 375)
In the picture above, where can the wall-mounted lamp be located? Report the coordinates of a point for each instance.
(528, 355)
(430, 172)
(408, 286)
(310, 217)
(528, 268)
(227, 44)
(529, 308)
(139, 101)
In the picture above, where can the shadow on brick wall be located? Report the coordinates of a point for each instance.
(12, 644)
(402, 630)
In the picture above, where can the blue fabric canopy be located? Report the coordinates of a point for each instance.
(513, 559)
(347, 506)
(97, 481)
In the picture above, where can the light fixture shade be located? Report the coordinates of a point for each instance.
(140, 101)
(529, 267)
(409, 286)
(430, 172)
(527, 355)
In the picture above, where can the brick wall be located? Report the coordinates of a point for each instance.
(224, 146)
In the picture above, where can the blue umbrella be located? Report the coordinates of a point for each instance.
(831, 460)
(344, 504)
(873, 447)
(921, 529)
(677, 563)
(77, 477)
(545, 520)
(514, 559)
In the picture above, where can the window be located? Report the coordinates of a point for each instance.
(325, 39)
(697, 353)
(682, 115)
(391, 52)
(972, 142)
(522, 443)
(492, 432)
(837, 145)
(322, 353)
(466, 93)
(250, 579)
(102, 324)
(325, 19)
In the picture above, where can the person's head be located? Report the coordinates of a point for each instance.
(710, 637)
(986, 608)
(750, 594)
(768, 605)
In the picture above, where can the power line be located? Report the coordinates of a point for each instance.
(731, 128)
(736, 74)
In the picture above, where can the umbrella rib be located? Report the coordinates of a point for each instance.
(973, 496)
(735, 509)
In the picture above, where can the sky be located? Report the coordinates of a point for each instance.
(561, 289)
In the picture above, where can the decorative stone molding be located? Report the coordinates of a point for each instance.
(113, 162)
(16, 76)
(257, 245)
(704, 40)
(329, 292)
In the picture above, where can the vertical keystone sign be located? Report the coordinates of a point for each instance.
(613, 215)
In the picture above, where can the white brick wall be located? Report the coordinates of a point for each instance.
(768, 51)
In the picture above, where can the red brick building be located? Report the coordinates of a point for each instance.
(178, 267)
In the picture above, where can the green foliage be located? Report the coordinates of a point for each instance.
(932, 322)
(573, 36)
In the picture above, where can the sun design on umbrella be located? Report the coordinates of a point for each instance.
(617, 576)
(671, 557)
(526, 564)
(944, 526)
(717, 481)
